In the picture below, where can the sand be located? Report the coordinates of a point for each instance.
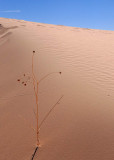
(81, 127)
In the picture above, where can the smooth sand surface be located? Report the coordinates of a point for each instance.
(81, 127)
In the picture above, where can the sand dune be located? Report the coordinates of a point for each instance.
(81, 126)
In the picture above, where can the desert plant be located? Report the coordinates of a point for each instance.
(36, 89)
(36, 84)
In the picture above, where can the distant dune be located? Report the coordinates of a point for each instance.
(81, 127)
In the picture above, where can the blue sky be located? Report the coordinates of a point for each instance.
(96, 14)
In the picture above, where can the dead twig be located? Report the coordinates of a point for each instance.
(34, 153)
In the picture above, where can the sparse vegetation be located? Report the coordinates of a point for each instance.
(36, 84)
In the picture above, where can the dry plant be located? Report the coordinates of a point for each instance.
(36, 84)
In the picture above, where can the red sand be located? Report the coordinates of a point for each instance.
(81, 127)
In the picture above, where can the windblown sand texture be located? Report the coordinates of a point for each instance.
(81, 127)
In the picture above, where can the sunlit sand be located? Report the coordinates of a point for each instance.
(81, 126)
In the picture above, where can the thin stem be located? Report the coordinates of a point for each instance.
(33, 75)
(33, 67)
(46, 116)
(47, 76)
(36, 95)
(37, 117)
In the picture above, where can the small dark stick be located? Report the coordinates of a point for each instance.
(34, 153)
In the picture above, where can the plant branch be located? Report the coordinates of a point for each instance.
(47, 76)
(46, 116)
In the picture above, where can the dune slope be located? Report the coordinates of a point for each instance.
(81, 126)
